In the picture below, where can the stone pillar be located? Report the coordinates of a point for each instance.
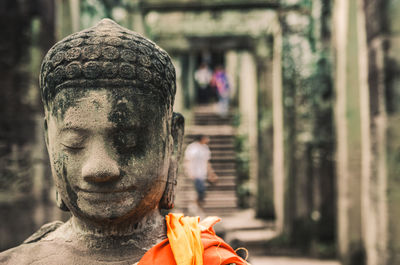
(348, 119)
(232, 69)
(136, 17)
(191, 90)
(24, 184)
(63, 23)
(308, 127)
(298, 127)
(265, 144)
(278, 132)
(248, 110)
(75, 15)
(378, 29)
(392, 84)
(178, 105)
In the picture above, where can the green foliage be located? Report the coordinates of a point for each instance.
(236, 119)
(309, 132)
(242, 170)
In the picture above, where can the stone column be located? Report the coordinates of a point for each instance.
(24, 204)
(190, 78)
(75, 15)
(136, 17)
(265, 144)
(232, 69)
(308, 127)
(348, 119)
(278, 132)
(63, 23)
(248, 110)
(392, 84)
(178, 105)
(378, 78)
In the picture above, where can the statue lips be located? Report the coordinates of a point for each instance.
(93, 195)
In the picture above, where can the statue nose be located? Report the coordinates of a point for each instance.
(100, 167)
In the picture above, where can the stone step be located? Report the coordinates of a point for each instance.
(220, 184)
(221, 197)
(222, 148)
(217, 187)
(192, 136)
(210, 113)
(221, 179)
(243, 229)
(226, 171)
(254, 241)
(223, 163)
(228, 207)
(222, 173)
(220, 212)
(214, 138)
(210, 122)
(215, 144)
(232, 203)
(219, 158)
(211, 130)
(211, 116)
(223, 153)
(284, 260)
(246, 220)
(212, 195)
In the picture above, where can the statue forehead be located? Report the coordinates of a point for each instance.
(111, 56)
(122, 101)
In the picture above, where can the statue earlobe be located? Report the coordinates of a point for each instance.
(60, 203)
(46, 131)
(177, 130)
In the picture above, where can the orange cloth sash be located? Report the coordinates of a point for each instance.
(184, 238)
(191, 243)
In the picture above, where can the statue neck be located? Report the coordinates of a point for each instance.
(143, 234)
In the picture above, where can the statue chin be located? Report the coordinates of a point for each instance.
(105, 210)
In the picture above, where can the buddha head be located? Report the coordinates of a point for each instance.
(111, 133)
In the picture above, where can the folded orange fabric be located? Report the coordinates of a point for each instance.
(187, 238)
(184, 238)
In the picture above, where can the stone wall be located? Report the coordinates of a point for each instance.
(25, 184)
(392, 96)
(382, 187)
(308, 119)
(367, 111)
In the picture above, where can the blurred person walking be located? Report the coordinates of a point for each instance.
(198, 167)
(220, 82)
(203, 76)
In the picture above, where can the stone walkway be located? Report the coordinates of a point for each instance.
(239, 227)
(289, 261)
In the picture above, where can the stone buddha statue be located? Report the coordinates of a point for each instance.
(114, 143)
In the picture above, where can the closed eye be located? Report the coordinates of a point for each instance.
(73, 139)
(73, 147)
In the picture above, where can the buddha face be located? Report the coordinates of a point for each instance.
(109, 153)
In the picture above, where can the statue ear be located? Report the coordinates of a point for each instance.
(177, 131)
(46, 131)
(61, 203)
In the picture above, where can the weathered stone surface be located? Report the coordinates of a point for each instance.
(24, 173)
(114, 144)
(308, 119)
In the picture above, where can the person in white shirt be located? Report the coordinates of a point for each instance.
(198, 167)
(203, 76)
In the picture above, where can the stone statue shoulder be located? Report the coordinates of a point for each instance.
(43, 231)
